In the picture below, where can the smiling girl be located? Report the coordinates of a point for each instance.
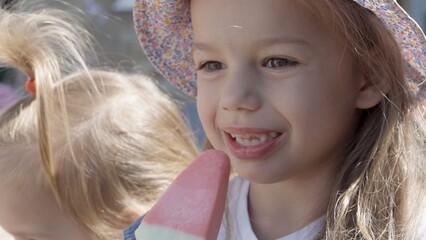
(315, 102)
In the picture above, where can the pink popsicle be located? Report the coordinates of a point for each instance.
(192, 207)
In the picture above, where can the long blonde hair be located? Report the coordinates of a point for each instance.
(105, 144)
(381, 184)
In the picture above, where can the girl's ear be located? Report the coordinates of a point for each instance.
(369, 93)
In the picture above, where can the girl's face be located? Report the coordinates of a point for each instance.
(29, 213)
(276, 90)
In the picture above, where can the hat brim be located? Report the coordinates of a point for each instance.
(410, 38)
(165, 33)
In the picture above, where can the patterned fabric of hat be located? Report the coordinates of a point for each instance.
(165, 33)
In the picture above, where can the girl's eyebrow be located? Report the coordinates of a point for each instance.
(263, 42)
(284, 40)
(28, 234)
(202, 47)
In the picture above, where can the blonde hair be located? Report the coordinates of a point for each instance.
(105, 144)
(381, 184)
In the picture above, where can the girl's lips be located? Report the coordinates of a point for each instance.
(252, 143)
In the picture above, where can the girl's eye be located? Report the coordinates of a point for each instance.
(211, 66)
(277, 62)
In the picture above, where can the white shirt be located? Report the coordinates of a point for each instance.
(238, 217)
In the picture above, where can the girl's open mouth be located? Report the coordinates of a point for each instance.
(252, 145)
(254, 139)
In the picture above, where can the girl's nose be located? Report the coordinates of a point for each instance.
(241, 91)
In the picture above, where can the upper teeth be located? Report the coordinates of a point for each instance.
(251, 139)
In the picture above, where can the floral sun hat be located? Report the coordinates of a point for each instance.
(165, 33)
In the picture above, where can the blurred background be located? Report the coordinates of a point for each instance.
(110, 21)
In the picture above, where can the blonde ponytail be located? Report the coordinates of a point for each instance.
(46, 45)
